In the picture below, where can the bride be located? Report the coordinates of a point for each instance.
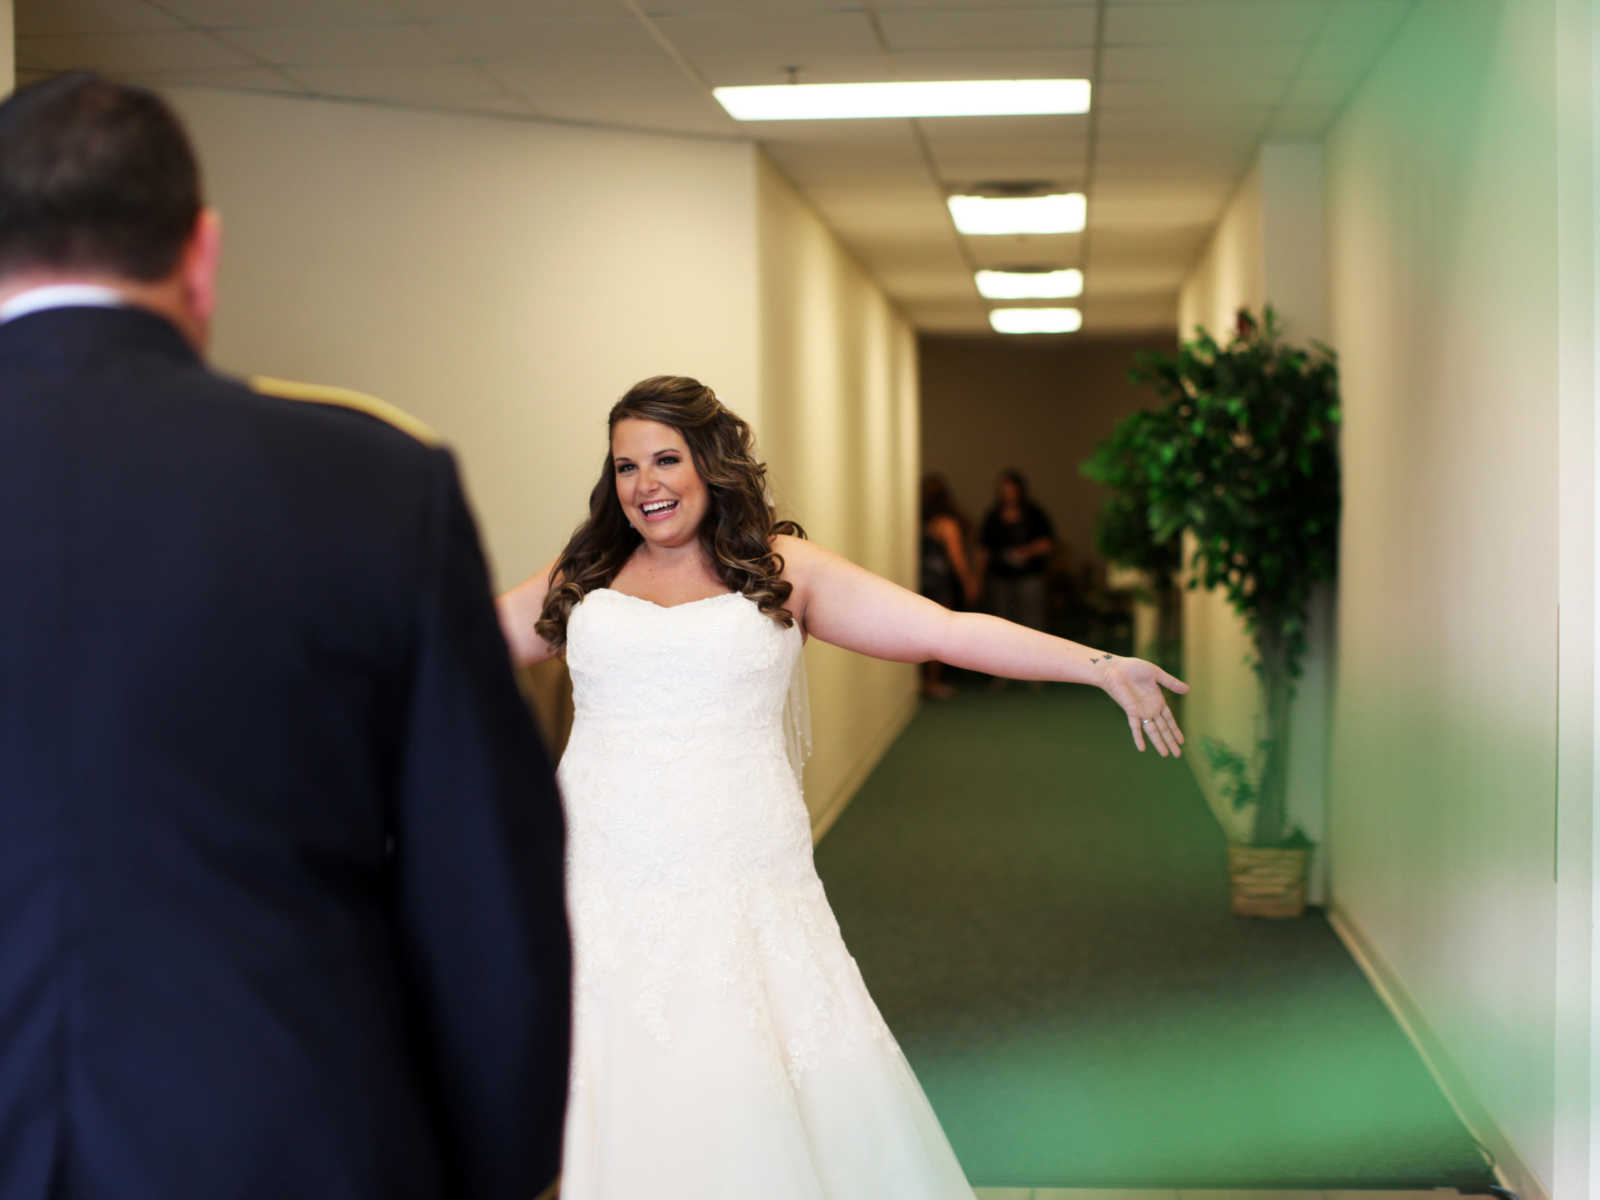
(724, 1044)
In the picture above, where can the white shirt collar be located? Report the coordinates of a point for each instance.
(59, 295)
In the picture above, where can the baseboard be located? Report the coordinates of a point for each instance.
(899, 718)
(1512, 1172)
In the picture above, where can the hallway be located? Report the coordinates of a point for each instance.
(496, 214)
(1041, 915)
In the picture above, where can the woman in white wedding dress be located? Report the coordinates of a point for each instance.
(724, 1045)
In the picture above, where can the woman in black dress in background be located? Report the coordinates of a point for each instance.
(946, 574)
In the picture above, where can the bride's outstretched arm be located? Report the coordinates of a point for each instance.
(851, 607)
(519, 610)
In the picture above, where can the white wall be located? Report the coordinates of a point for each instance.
(840, 431)
(505, 281)
(1268, 248)
(1576, 1168)
(1466, 337)
(1225, 700)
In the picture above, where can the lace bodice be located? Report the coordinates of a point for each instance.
(717, 665)
(675, 771)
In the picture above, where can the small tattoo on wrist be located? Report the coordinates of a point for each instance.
(1094, 658)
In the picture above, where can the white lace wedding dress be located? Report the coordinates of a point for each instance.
(724, 1045)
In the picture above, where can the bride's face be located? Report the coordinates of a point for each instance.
(661, 493)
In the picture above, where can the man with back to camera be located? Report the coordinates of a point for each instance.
(281, 906)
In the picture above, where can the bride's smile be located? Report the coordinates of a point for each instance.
(657, 484)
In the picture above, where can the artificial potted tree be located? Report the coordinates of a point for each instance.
(1248, 464)
(1122, 531)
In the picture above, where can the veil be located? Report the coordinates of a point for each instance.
(797, 719)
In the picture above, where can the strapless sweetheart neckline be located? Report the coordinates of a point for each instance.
(666, 607)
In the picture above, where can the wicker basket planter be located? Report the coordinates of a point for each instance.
(1267, 881)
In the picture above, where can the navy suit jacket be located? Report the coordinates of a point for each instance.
(281, 902)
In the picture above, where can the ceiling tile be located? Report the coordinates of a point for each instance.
(42, 17)
(812, 167)
(1127, 160)
(949, 317)
(929, 281)
(965, 171)
(128, 53)
(567, 11)
(923, 251)
(1112, 243)
(1196, 145)
(1177, 92)
(772, 66)
(862, 165)
(578, 88)
(914, 203)
(899, 134)
(1229, 24)
(997, 29)
(1223, 65)
(923, 5)
(1040, 131)
(735, 8)
(1141, 276)
(1138, 314)
(258, 14)
(1184, 123)
(248, 79)
(818, 33)
(970, 160)
(1002, 253)
(514, 37)
(372, 46)
(449, 85)
(1159, 204)
(887, 222)
(1165, 171)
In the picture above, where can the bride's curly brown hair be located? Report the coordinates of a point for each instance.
(738, 527)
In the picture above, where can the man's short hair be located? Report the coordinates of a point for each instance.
(95, 176)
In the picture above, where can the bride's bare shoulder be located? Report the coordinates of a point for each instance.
(787, 544)
(799, 556)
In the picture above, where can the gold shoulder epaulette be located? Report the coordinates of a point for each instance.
(318, 393)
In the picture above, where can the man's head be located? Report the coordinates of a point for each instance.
(98, 183)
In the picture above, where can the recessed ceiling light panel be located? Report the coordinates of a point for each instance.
(944, 98)
(1035, 320)
(1030, 285)
(1062, 212)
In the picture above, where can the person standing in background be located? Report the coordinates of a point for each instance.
(946, 575)
(281, 894)
(1014, 545)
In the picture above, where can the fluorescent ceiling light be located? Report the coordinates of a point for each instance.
(1030, 285)
(949, 98)
(1062, 212)
(1035, 320)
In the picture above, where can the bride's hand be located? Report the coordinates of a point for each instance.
(1136, 686)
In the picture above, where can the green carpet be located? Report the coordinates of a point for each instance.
(1041, 915)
